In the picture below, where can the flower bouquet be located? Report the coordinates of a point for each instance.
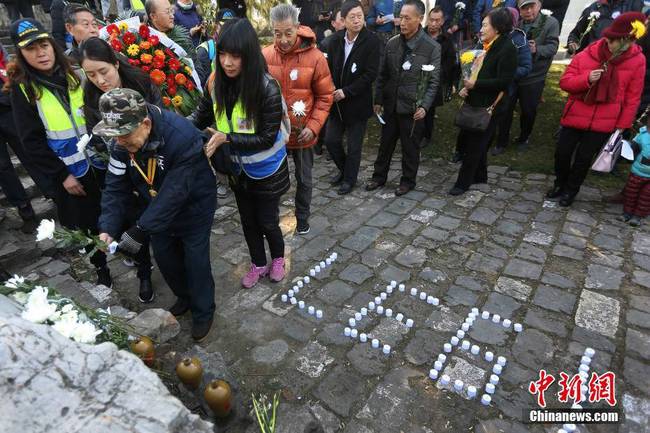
(163, 60)
(423, 83)
(65, 238)
(470, 63)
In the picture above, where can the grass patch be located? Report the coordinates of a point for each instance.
(538, 158)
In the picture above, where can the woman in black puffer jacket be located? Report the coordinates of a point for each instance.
(246, 103)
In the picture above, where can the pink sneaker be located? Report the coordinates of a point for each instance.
(253, 276)
(277, 270)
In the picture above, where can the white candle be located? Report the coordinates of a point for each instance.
(590, 352)
(317, 269)
(328, 261)
(460, 333)
(335, 255)
(489, 388)
(465, 345)
(442, 358)
(386, 349)
(402, 287)
(494, 379)
(347, 331)
(433, 374)
(485, 315)
(323, 265)
(475, 311)
(352, 322)
(496, 318)
(518, 327)
(584, 368)
(294, 301)
(312, 272)
(409, 323)
(585, 360)
(423, 296)
(465, 327)
(389, 312)
(430, 300)
(306, 280)
(319, 314)
(393, 283)
(357, 316)
(354, 333)
(489, 356)
(364, 311)
(399, 317)
(300, 284)
(383, 296)
(506, 323)
(377, 300)
(501, 360)
(380, 310)
(475, 350)
(375, 343)
(444, 380)
(371, 305)
(363, 337)
(485, 400)
(301, 304)
(284, 298)
(471, 391)
(414, 291)
(458, 385)
(296, 290)
(454, 341)
(437, 365)
(497, 369)
(290, 293)
(447, 347)
(389, 289)
(311, 310)
(436, 301)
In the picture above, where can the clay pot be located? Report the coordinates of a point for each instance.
(143, 347)
(189, 371)
(218, 395)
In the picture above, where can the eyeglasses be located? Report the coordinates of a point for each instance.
(168, 11)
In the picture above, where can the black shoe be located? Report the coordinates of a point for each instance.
(303, 227)
(28, 216)
(201, 330)
(624, 218)
(567, 199)
(497, 150)
(402, 189)
(555, 192)
(104, 277)
(146, 293)
(457, 191)
(373, 185)
(522, 146)
(336, 180)
(345, 188)
(456, 157)
(180, 307)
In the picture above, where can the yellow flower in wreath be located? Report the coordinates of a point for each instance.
(133, 50)
(177, 101)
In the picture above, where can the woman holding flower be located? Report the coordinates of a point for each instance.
(604, 83)
(47, 103)
(486, 91)
(106, 71)
(246, 105)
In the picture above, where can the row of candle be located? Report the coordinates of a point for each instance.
(583, 372)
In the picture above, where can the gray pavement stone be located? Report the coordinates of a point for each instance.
(642, 261)
(573, 241)
(530, 252)
(53, 268)
(487, 332)
(598, 313)
(446, 223)
(640, 302)
(514, 288)
(554, 299)
(384, 220)
(411, 257)
(433, 276)
(482, 263)
(557, 281)
(533, 349)
(637, 375)
(576, 229)
(362, 238)
(390, 273)
(313, 359)
(638, 318)
(335, 292)
(366, 360)
(271, 353)
(509, 227)
(503, 305)
(539, 237)
(608, 259)
(340, 390)
(470, 374)
(642, 278)
(637, 413)
(484, 215)
(356, 273)
(638, 343)
(422, 347)
(457, 295)
(568, 252)
(472, 283)
(465, 238)
(401, 206)
(523, 269)
(406, 228)
(589, 338)
(516, 216)
(435, 234)
(610, 243)
(546, 321)
(603, 278)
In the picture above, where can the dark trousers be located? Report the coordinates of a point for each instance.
(347, 162)
(575, 151)
(18, 8)
(428, 123)
(398, 126)
(9, 180)
(473, 148)
(303, 159)
(260, 218)
(529, 97)
(184, 261)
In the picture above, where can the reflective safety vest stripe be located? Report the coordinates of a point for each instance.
(137, 5)
(63, 130)
(210, 47)
(256, 165)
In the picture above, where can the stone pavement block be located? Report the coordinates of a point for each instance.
(432, 275)
(316, 248)
(610, 243)
(557, 281)
(638, 343)
(516, 216)
(390, 273)
(606, 258)
(435, 234)
(457, 295)
(373, 257)
(465, 238)
(444, 320)
(423, 346)
(470, 199)
(603, 278)
(642, 261)
(524, 206)
(362, 238)
(335, 292)
(581, 217)
(554, 299)
(389, 331)
(357, 273)
(514, 288)
(637, 414)
(640, 302)
(407, 227)
(546, 321)
(509, 227)
(505, 306)
(411, 257)
(592, 339)
(523, 269)
(340, 390)
(637, 375)
(505, 241)
(270, 353)
(572, 241)
(530, 252)
(568, 252)
(313, 359)
(598, 313)
(446, 223)
(642, 278)
(458, 368)
(576, 229)
(401, 206)
(384, 220)
(538, 237)
(471, 283)
(366, 360)
(53, 268)
(482, 263)
(484, 215)
(533, 349)
(488, 332)
(638, 318)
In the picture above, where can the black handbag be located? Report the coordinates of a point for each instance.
(475, 119)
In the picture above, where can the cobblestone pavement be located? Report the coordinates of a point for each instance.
(574, 278)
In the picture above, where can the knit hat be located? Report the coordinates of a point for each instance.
(628, 25)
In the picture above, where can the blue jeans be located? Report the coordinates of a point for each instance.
(184, 262)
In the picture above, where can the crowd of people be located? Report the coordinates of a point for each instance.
(331, 68)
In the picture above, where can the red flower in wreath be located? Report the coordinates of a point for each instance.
(166, 101)
(117, 45)
(144, 31)
(157, 77)
(158, 63)
(169, 52)
(134, 62)
(153, 40)
(129, 38)
(146, 58)
(171, 90)
(190, 85)
(111, 29)
(174, 64)
(180, 79)
(146, 68)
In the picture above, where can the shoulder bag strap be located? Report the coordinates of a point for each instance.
(491, 108)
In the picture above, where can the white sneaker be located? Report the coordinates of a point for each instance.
(129, 263)
(222, 191)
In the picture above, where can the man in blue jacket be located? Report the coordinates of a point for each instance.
(159, 154)
(380, 18)
(482, 7)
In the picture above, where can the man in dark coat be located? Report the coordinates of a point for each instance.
(81, 24)
(353, 59)
(396, 94)
(159, 154)
(558, 9)
(58, 18)
(435, 28)
(597, 17)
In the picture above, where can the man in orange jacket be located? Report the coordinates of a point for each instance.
(307, 87)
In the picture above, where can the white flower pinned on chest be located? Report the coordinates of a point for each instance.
(353, 69)
(406, 65)
(615, 14)
(546, 12)
(293, 74)
(428, 68)
(83, 142)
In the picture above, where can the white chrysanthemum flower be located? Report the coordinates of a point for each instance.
(85, 333)
(428, 68)
(83, 142)
(460, 5)
(20, 297)
(45, 230)
(594, 15)
(14, 281)
(66, 324)
(37, 308)
(546, 12)
(299, 108)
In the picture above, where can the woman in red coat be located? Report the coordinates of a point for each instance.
(604, 82)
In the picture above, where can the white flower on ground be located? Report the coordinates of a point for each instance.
(428, 68)
(460, 5)
(37, 308)
(45, 230)
(299, 108)
(20, 297)
(14, 281)
(546, 12)
(66, 324)
(85, 333)
(83, 142)
(594, 15)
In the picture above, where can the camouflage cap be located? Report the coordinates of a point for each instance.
(122, 111)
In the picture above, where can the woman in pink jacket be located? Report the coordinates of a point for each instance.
(604, 82)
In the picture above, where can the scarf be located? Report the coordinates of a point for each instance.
(605, 89)
(184, 6)
(486, 47)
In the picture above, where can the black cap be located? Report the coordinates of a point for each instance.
(27, 30)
